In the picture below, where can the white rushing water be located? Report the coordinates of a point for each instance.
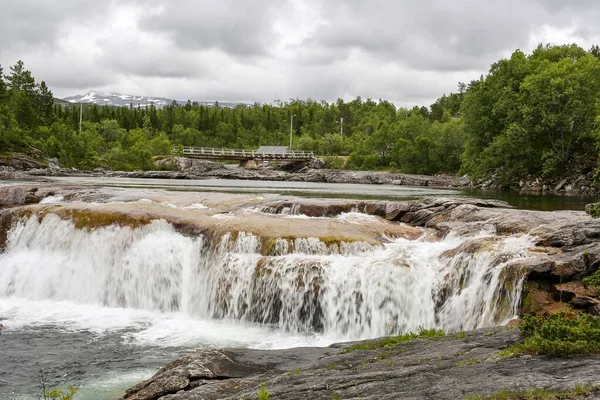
(170, 290)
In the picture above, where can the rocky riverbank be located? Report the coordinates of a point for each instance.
(449, 367)
(19, 167)
(22, 167)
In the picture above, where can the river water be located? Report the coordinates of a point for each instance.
(106, 308)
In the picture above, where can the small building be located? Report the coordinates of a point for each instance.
(277, 150)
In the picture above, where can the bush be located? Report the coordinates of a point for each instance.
(334, 162)
(593, 209)
(560, 334)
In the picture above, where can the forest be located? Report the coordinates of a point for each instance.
(531, 115)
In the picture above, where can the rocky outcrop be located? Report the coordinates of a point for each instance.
(21, 162)
(574, 184)
(451, 367)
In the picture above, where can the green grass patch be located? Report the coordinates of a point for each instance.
(393, 341)
(294, 372)
(580, 392)
(560, 334)
(263, 394)
(465, 363)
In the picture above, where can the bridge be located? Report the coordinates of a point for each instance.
(247, 158)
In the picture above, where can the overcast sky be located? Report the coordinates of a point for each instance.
(408, 52)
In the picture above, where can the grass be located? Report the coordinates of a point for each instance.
(460, 335)
(262, 394)
(393, 341)
(580, 392)
(560, 334)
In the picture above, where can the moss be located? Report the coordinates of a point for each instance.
(580, 392)
(91, 219)
(267, 247)
(465, 363)
(393, 341)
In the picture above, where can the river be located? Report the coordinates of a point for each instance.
(104, 309)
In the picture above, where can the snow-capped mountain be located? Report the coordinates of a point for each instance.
(124, 100)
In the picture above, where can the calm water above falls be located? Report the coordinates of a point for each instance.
(107, 308)
(547, 202)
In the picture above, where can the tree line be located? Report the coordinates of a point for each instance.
(531, 115)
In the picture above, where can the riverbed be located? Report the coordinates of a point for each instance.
(67, 315)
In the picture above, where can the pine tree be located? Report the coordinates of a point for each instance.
(3, 92)
(45, 103)
(20, 79)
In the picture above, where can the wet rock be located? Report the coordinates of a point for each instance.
(533, 267)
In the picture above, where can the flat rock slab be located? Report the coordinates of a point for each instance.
(451, 367)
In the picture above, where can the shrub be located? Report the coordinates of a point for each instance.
(560, 334)
(592, 280)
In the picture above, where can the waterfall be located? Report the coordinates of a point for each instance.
(342, 290)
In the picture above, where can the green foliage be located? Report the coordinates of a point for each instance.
(592, 280)
(334, 162)
(262, 394)
(393, 341)
(560, 334)
(532, 114)
(60, 394)
(580, 392)
(594, 209)
(55, 393)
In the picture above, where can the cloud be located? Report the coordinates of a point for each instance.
(408, 52)
(237, 27)
(39, 23)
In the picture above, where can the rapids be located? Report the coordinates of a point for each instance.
(340, 292)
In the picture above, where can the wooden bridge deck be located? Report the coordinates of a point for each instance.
(211, 153)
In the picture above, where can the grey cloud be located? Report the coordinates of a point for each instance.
(148, 61)
(260, 50)
(440, 35)
(239, 27)
(35, 23)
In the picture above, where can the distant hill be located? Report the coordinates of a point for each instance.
(124, 100)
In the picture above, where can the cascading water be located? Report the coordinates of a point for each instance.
(340, 291)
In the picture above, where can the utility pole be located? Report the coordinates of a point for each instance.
(291, 130)
(341, 122)
(80, 115)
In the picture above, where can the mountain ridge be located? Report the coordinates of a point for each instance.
(124, 100)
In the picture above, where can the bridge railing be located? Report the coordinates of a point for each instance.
(216, 152)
